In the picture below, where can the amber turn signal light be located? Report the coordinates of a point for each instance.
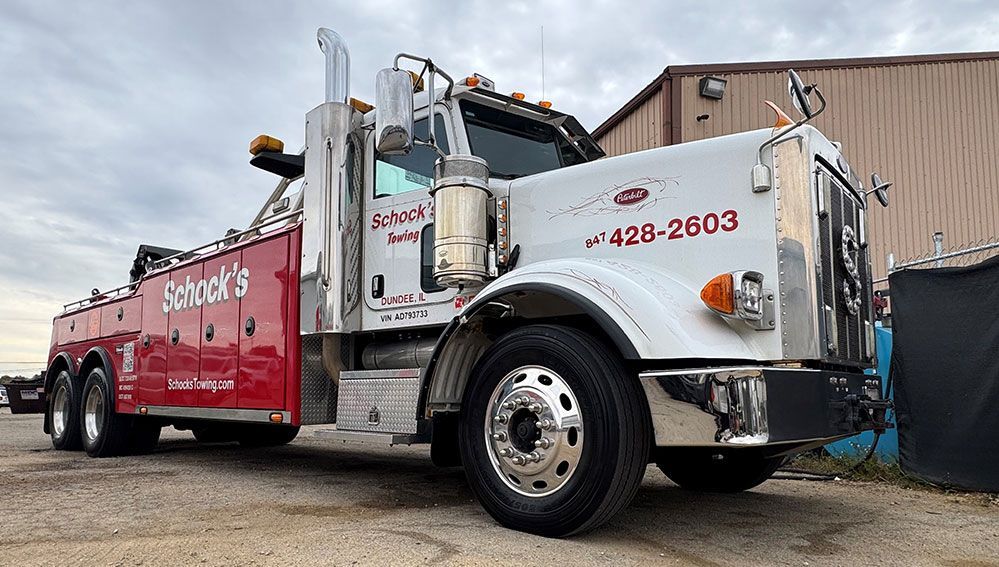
(265, 143)
(719, 294)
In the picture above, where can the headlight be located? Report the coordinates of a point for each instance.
(749, 295)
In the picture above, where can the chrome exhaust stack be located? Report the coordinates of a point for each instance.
(330, 269)
(337, 65)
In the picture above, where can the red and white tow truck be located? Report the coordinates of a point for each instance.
(461, 268)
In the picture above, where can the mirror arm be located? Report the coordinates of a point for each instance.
(433, 146)
(773, 139)
(431, 70)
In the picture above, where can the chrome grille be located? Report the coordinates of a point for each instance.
(846, 337)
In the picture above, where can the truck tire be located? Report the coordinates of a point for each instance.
(702, 470)
(554, 431)
(105, 433)
(64, 413)
(266, 435)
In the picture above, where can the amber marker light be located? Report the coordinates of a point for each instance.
(545, 104)
(265, 143)
(472, 81)
(782, 118)
(143, 410)
(277, 417)
(719, 294)
(519, 96)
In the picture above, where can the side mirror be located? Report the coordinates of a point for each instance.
(799, 94)
(880, 189)
(394, 117)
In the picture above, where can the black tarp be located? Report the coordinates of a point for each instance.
(945, 368)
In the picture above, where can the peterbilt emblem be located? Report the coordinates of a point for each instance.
(631, 196)
(850, 255)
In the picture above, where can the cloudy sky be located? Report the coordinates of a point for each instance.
(128, 122)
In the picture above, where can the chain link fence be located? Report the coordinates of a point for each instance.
(941, 256)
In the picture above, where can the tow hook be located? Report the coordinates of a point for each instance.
(861, 413)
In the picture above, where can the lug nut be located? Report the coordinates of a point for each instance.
(534, 456)
(501, 436)
(506, 452)
(544, 443)
(501, 418)
(536, 407)
(519, 460)
(545, 424)
(509, 405)
(524, 400)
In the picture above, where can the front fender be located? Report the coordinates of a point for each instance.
(646, 311)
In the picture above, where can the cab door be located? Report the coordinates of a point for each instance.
(398, 238)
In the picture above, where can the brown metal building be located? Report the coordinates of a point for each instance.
(930, 123)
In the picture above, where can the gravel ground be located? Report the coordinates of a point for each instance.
(318, 502)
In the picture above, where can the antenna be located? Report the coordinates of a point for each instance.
(543, 62)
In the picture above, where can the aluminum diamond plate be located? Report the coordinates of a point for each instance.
(378, 404)
(319, 391)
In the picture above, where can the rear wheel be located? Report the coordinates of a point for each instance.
(64, 413)
(708, 470)
(554, 431)
(105, 432)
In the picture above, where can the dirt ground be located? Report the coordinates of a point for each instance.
(318, 502)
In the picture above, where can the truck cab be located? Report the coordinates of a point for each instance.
(465, 269)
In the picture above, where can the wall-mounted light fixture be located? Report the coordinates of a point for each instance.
(712, 87)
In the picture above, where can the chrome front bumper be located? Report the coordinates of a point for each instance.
(753, 406)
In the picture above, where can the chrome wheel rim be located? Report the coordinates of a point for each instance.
(93, 413)
(60, 412)
(534, 431)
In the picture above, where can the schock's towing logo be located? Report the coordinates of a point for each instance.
(189, 294)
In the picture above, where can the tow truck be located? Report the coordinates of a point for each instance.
(465, 269)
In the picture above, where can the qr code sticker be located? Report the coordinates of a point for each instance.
(128, 358)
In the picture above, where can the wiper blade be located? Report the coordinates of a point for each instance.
(502, 175)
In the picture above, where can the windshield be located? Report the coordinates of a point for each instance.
(515, 146)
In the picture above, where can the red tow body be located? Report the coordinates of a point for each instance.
(218, 331)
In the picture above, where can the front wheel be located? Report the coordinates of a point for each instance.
(554, 431)
(706, 470)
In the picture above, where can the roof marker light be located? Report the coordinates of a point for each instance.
(518, 96)
(545, 104)
(782, 118)
(265, 143)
